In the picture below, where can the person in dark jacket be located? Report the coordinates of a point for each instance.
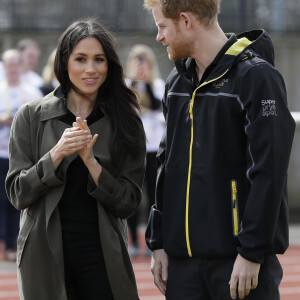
(221, 212)
(77, 163)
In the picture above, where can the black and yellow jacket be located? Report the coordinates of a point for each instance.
(221, 187)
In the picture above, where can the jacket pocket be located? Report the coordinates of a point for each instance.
(234, 207)
(26, 224)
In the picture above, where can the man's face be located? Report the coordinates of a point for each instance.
(13, 69)
(170, 35)
(31, 55)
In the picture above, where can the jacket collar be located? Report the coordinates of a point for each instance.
(187, 67)
(243, 46)
(53, 105)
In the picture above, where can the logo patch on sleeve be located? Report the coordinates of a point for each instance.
(268, 108)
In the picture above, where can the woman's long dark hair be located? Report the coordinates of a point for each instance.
(117, 100)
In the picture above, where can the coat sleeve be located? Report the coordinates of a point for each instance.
(121, 194)
(270, 128)
(153, 234)
(26, 179)
(154, 228)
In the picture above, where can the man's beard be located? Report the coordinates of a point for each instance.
(179, 50)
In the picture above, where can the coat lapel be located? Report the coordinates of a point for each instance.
(52, 133)
(52, 109)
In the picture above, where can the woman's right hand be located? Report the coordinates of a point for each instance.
(72, 140)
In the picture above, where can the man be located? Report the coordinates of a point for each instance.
(13, 94)
(221, 210)
(30, 52)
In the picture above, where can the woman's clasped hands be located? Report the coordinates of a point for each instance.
(88, 141)
(75, 139)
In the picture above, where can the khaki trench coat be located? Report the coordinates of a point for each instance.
(34, 187)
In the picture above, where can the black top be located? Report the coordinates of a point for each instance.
(78, 210)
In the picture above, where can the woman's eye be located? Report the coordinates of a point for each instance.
(80, 59)
(100, 59)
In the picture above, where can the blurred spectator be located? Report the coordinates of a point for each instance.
(143, 75)
(13, 94)
(2, 74)
(30, 54)
(50, 81)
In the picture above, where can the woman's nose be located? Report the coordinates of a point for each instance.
(90, 67)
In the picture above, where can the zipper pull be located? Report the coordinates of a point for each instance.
(234, 191)
(191, 109)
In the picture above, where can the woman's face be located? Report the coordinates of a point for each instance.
(88, 66)
(141, 67)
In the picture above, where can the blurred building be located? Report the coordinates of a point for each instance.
(123, 16)
(45, 20)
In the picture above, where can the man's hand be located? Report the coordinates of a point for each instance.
(159, 269)
(244, 276)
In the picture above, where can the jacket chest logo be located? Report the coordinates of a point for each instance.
(221, 82)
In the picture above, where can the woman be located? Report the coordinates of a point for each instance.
(77, 160)
(143, 74)
(50, 81)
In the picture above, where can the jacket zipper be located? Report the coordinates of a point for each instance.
(235, 216)
(187, 203)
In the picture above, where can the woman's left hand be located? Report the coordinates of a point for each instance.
(86, 153)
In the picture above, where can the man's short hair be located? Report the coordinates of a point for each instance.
(27, 42)
(204, 10)
(11, 53)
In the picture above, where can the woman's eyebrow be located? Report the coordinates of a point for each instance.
(84, 54)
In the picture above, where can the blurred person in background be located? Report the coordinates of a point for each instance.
(144, 76)
(13, 93)
(50, 81)
(2, 73)
(30, 52)
(79, 174)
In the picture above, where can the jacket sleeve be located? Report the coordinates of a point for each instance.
(26, 179)
(155, 102)
(270, 128)
(121, 194)
(153, 234)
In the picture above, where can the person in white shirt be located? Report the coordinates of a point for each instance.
(2, 73)
(30, 52)
(144, 76)
(13, 93)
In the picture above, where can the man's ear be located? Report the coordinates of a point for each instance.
(185, 17)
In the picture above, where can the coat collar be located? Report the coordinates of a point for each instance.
(53, 105)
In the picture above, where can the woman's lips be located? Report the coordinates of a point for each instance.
(90, 80)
